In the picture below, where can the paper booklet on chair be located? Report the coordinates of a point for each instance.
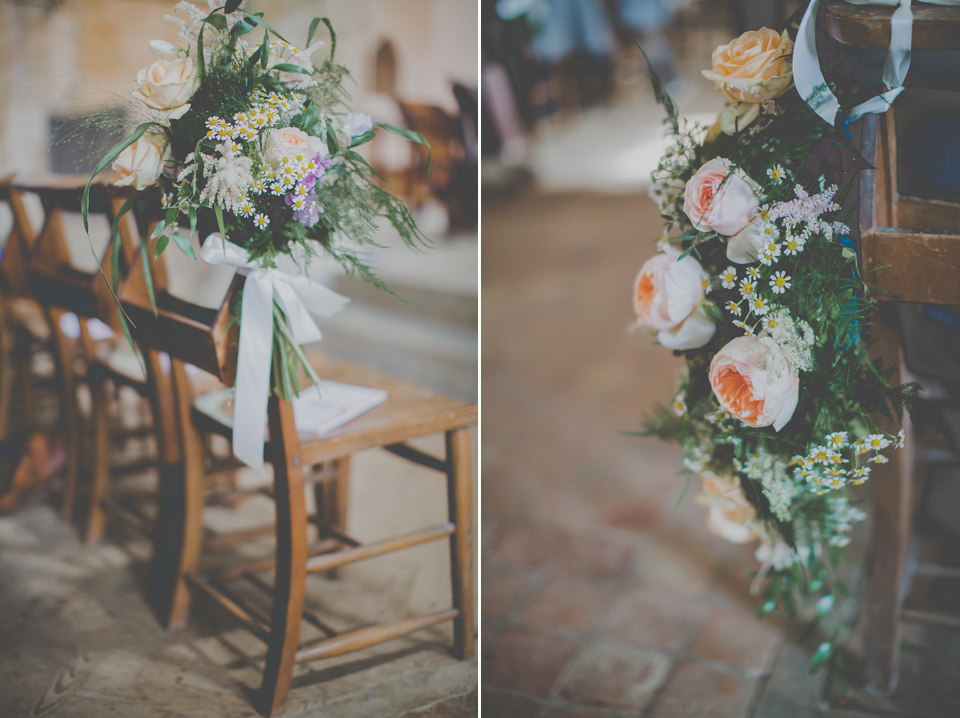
(319, 412)
(316, 412)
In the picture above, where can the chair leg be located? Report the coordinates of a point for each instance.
(291, 567)
(69, 413)
(460, 499)
(100, 485)
(180, 515)
(892, 512)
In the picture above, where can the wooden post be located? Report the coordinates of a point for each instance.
(64, 351)
(892, 512)
(291, 567)
(460, 498)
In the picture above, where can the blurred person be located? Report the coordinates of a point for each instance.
(647, 20)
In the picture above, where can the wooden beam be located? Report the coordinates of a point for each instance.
(418, 457)
(328, 561)
(258, 626)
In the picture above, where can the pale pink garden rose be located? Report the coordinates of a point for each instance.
(754, 67)
(746, 245)
(141, 163)
(291, 143)
(730, 515)
(668, 296)
(725, 209)
(755, 382)
(167, 86)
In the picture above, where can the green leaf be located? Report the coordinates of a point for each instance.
(313, 29)
(115, 236)
(241, 28)
(184, 245)
(124, 319)
(219, 212)
(260, 21)
(766, 608)
(217, 20)
(288, 67)
(201, 70)
(192, 214)
(148, 274)
(362, 139)
(820, 656)
(257, 58)
(333, 37)
(231, 6)
(161, 245)
(161, 225)
(111, 155)
(409, 135)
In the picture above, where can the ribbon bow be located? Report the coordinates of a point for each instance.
(297, 297)
(806, 66)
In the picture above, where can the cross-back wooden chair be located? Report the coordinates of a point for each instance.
(98, 359)
(914, 242)
(409, 411)
(26, 329)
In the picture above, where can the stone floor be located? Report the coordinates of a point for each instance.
(603, 593)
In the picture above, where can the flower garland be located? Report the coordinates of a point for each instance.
(756, 284)
(254, 141)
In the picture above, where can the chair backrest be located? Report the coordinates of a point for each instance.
(21, 237)
(188, 331)
(56, 275)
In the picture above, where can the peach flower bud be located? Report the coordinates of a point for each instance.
(753, 380)
(730, 515)
(754, 67)
(291, 143)
(140, 164)
(167, 86)
(668, 296)
(725, 209)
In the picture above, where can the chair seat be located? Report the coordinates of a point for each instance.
(28, 315)
(408, 411)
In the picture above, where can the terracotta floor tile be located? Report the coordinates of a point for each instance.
(501, 588)
(652, 619)
(616, 677)
(698, 691)
(527, 661)
(568, 602)
(498, 704)
(732, 634)
(599, 557)
(527, 544)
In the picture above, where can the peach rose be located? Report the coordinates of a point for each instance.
(725, 209)
(754, 381)
(730, 515)
(167, 86)
(754, 67)
(142, 162)
(291, 143)
(746, 245)
(668, 296)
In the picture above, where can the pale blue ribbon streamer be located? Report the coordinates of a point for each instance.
(297, 297)
(808, 77)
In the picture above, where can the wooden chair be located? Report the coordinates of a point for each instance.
(26, 330)
(102, 362)
(408, 412)
(914, 242)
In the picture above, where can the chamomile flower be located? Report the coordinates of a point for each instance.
(776, 173)
(733, 308)
(728, 278)
(301, 191)
(879, 459)
(246, 208)
(753, 272)
(860, 446)
(793, 246)
(679, 405)
(875, 442)
(748, 288)
(771, 323)
(298, 203)
(770, 253)
(742, 325)
(838, 440)
(259, 187)
(901, 435)
(860, 475)
(822, 454)
(759, 306)
(780, 282)
(262, 221)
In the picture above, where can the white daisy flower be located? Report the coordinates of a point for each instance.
(759, 306)
(875, 442)
(780, 282)
(741, 325)
(733, 308)
(748, 288)
(838, 440)
(793, 245)
(262, 221)
(728, 278)
(753, 272)
(901, 435)
(879, 459)
(246, 208)
(860, 475)
(776, 173)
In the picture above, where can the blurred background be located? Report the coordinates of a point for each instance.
(603, 591)
(414, 64)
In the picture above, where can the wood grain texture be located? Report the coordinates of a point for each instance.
(934, 27)
(460, 496)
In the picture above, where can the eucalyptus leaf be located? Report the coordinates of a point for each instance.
(184, 245)
(161, 245)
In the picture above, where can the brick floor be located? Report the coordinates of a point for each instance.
(529, 661)
(702, 691)
(569, 602)
(651, 618)
(732, 634)
(616, 677)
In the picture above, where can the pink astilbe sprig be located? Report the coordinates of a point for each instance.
(808, 209)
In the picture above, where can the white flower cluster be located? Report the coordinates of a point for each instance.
(282, 52)
(824, 468)
(793, 336)
(840, 518)
(777, 486)
(213, 39)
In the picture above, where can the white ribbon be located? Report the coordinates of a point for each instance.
(297, 297)
(808, 77)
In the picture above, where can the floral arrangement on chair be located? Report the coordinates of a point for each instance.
(756, 285)
(253, 143)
